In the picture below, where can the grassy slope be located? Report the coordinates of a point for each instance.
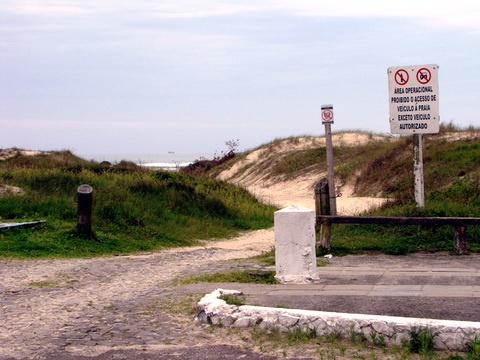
(135, 209)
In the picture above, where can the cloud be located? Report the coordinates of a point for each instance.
(45, 8)
(159, 9)
(31, 124)
(459, 12)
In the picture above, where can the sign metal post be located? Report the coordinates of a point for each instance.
(327, 120)
(418, 170)
(414, 110)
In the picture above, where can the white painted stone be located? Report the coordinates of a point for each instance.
(245, 322)
(227, 321)
(288, 320)
(211, 306)
(295, 257)
(450, 335)
(319, 326)
(382, 328)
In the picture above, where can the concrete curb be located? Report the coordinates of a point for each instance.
(389, 330)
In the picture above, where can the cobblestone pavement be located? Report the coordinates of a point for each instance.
(108, 307)
(89, 306)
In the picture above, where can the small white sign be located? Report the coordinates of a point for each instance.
(327, 114)
(413, 99)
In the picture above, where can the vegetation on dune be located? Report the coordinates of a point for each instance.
(203, 166)
(143, 210)
(383, 167)
(135, 209)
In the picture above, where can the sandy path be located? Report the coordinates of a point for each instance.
(300, 192)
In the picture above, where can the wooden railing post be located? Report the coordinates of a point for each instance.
(322, 207)
(460, 240)
(85, 210)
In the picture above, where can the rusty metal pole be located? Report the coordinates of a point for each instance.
(85, 210)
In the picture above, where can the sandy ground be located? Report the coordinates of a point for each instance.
(300, 192)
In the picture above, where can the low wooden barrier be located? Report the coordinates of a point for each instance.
(460, 224)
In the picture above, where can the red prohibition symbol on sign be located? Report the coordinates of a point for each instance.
(424, 76)
(401, 77)
(327, 115)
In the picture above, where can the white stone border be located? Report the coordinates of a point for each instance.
(449, 335)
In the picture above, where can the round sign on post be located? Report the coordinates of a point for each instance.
(327, 114)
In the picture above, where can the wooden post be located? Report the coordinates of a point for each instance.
(85, 210)
(418, 170)
(322, 197)
(460, 241)
(325, 234)
(322, 207)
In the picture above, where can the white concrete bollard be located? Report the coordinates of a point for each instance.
(295, 256)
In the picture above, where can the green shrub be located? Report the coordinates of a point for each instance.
(422, 341)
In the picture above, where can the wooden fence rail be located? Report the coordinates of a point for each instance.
(460, 224)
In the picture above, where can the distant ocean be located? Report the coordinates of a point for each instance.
(166, 161)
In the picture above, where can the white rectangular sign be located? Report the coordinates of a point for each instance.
(413, 99)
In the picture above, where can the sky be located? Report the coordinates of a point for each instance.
(144, 76)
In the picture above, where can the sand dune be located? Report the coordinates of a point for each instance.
(299, 191)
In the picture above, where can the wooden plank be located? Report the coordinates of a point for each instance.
(391, 220)
(22, 224)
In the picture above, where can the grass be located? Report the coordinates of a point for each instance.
(139, 210)
(246, 276)
(422, 341)
(43, 284)
(307, 343)
(267, 257)
(235, 300)
(135, 209)
(460, 198)
(452, 188)
(474, 349)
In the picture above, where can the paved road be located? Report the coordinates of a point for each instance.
(436, 286)
(125, 307)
